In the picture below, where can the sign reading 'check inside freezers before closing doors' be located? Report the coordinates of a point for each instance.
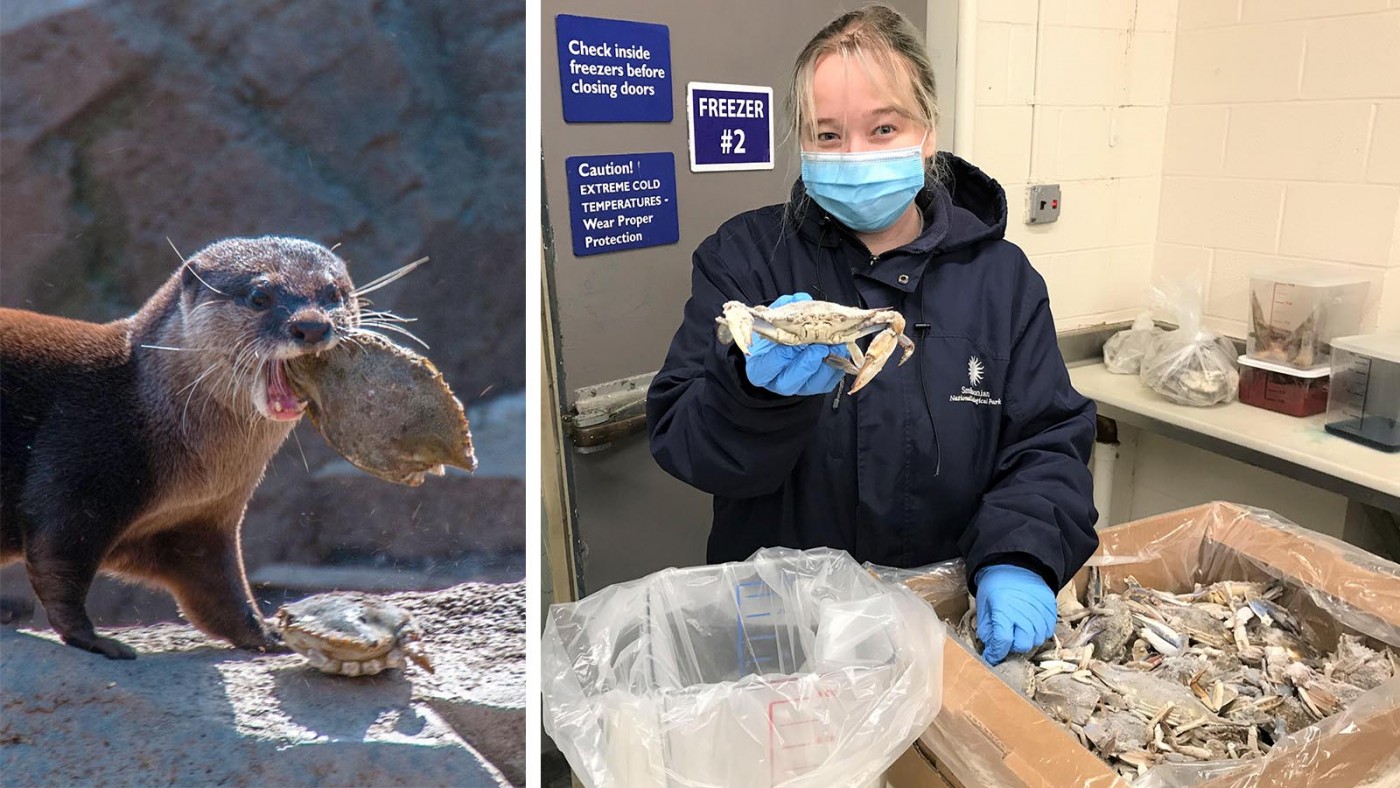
(731, 127)
(614, 70)
(622, 201)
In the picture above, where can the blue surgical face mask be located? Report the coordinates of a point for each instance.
(865, 191)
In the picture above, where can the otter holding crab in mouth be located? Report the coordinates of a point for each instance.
(133, 446)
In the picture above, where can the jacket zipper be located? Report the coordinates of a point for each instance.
(836, 401)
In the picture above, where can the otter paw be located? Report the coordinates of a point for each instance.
(107, 647)
(275, 644)
(270, 641)
(268, 646)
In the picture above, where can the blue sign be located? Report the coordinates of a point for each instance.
(731, 127)
(622, 201)
(614, 71)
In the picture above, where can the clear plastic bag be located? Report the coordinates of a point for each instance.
(1123, 352)
(794, 668)
(1332, 587)
(1191, 365)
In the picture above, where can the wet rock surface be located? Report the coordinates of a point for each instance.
(190, 710)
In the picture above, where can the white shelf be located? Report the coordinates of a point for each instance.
(1299, 448)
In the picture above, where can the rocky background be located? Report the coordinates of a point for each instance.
(394, 128)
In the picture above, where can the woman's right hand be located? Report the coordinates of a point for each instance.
(790, 370)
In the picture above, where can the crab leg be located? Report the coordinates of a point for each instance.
(413, 652)
(738, 323)
(857, 357)
(880, 350)
(896, 327)
(850, 366)
(908, 345)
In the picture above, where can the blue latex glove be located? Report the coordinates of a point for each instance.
(1015, 611)
(792, 369)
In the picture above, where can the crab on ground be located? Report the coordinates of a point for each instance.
(350, 634)
(825, 323)
(385, 408)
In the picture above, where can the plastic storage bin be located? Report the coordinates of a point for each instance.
(1295, 313)
(1364, 405)
(1283, 389)
(789, 669)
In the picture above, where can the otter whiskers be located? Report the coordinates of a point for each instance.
(387, 279)
(367, 327)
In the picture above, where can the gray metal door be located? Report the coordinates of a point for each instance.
(614, 314)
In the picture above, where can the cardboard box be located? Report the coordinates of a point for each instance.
(989, 735)
(915, 769)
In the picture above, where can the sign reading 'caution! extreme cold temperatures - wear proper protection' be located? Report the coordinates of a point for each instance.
(613, 70)
(622, 201)
(731, 127)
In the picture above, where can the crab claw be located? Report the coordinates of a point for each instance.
(879, 351)
(908, 345)
(419, 658)
(738, 323)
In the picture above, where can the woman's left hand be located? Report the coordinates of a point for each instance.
(1015, 611)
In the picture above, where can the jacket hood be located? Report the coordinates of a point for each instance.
(965, 207)
(978, 204)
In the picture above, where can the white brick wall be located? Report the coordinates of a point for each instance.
(1077, 94)
(1225, 134)
(1201, 139)
(1283, 146)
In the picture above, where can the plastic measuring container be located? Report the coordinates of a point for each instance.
(1295, 312)
(1364, 402)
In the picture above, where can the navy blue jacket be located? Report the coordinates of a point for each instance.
(977, 447)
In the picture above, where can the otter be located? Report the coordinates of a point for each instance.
(132, 447)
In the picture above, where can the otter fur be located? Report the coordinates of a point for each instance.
(133, 447)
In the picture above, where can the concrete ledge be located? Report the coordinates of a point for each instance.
(193, 711)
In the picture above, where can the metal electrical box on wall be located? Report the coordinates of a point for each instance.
(1043, 203)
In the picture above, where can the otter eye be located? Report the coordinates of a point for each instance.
(259, 298)
(332, 294)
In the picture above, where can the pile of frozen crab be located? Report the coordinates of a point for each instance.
(1147, 677)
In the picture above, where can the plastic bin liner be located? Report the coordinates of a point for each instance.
(1123, 352)
(794, 668)
(1191, 365)
(1333, 588)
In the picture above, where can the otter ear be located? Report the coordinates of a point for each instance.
(192, 281)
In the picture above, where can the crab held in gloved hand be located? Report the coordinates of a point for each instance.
(802, 321)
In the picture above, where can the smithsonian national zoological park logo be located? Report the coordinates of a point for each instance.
(970, 393)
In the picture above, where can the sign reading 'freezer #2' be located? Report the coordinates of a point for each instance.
(731, 127)
(613, 70)
(622, 201)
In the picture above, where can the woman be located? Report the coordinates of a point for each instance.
(976, 448)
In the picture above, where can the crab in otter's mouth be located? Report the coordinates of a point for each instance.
(384, 408)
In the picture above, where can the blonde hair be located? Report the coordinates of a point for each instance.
(888, 47)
